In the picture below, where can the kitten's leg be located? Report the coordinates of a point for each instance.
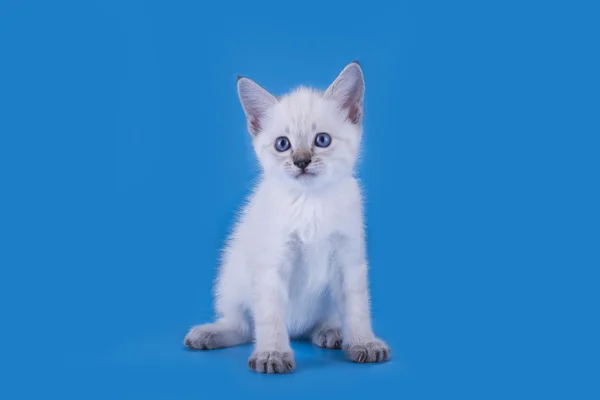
(351, 294)
(221, 333)
(272, 351)
(233, 324)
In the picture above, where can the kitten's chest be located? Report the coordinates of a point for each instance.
(311, 222)
(310, 228)
(310, 268)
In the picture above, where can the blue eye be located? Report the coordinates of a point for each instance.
(282, 144)
(322, 139)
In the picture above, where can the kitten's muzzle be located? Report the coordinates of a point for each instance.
(301, 160)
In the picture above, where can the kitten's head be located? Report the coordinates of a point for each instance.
(307, 138)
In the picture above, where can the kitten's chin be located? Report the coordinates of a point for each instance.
(309, 180)
(305, 181)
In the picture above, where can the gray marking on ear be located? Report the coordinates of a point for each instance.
(255, 100)
(348, 91)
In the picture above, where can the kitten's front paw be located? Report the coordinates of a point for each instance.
(271, 362)
(368, 352)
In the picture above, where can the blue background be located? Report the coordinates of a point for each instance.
(123, 155)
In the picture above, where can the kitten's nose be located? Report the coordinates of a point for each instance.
(302, 161)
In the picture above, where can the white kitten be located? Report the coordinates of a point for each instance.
(295, 263)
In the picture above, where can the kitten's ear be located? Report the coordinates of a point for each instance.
(348, 90)
(255, 101)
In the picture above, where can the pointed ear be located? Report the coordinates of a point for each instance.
(255, 101)
(348, 90)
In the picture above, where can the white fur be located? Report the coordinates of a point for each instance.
(295, 262)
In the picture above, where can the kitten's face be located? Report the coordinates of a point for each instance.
(307, 138)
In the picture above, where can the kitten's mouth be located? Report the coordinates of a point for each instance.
(305, 174)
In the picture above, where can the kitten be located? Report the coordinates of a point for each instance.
(295, 263)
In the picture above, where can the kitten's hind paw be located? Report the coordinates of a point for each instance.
(214, 336)
(204, 337)
(271, 362)
(368, 352)
(329, 338)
